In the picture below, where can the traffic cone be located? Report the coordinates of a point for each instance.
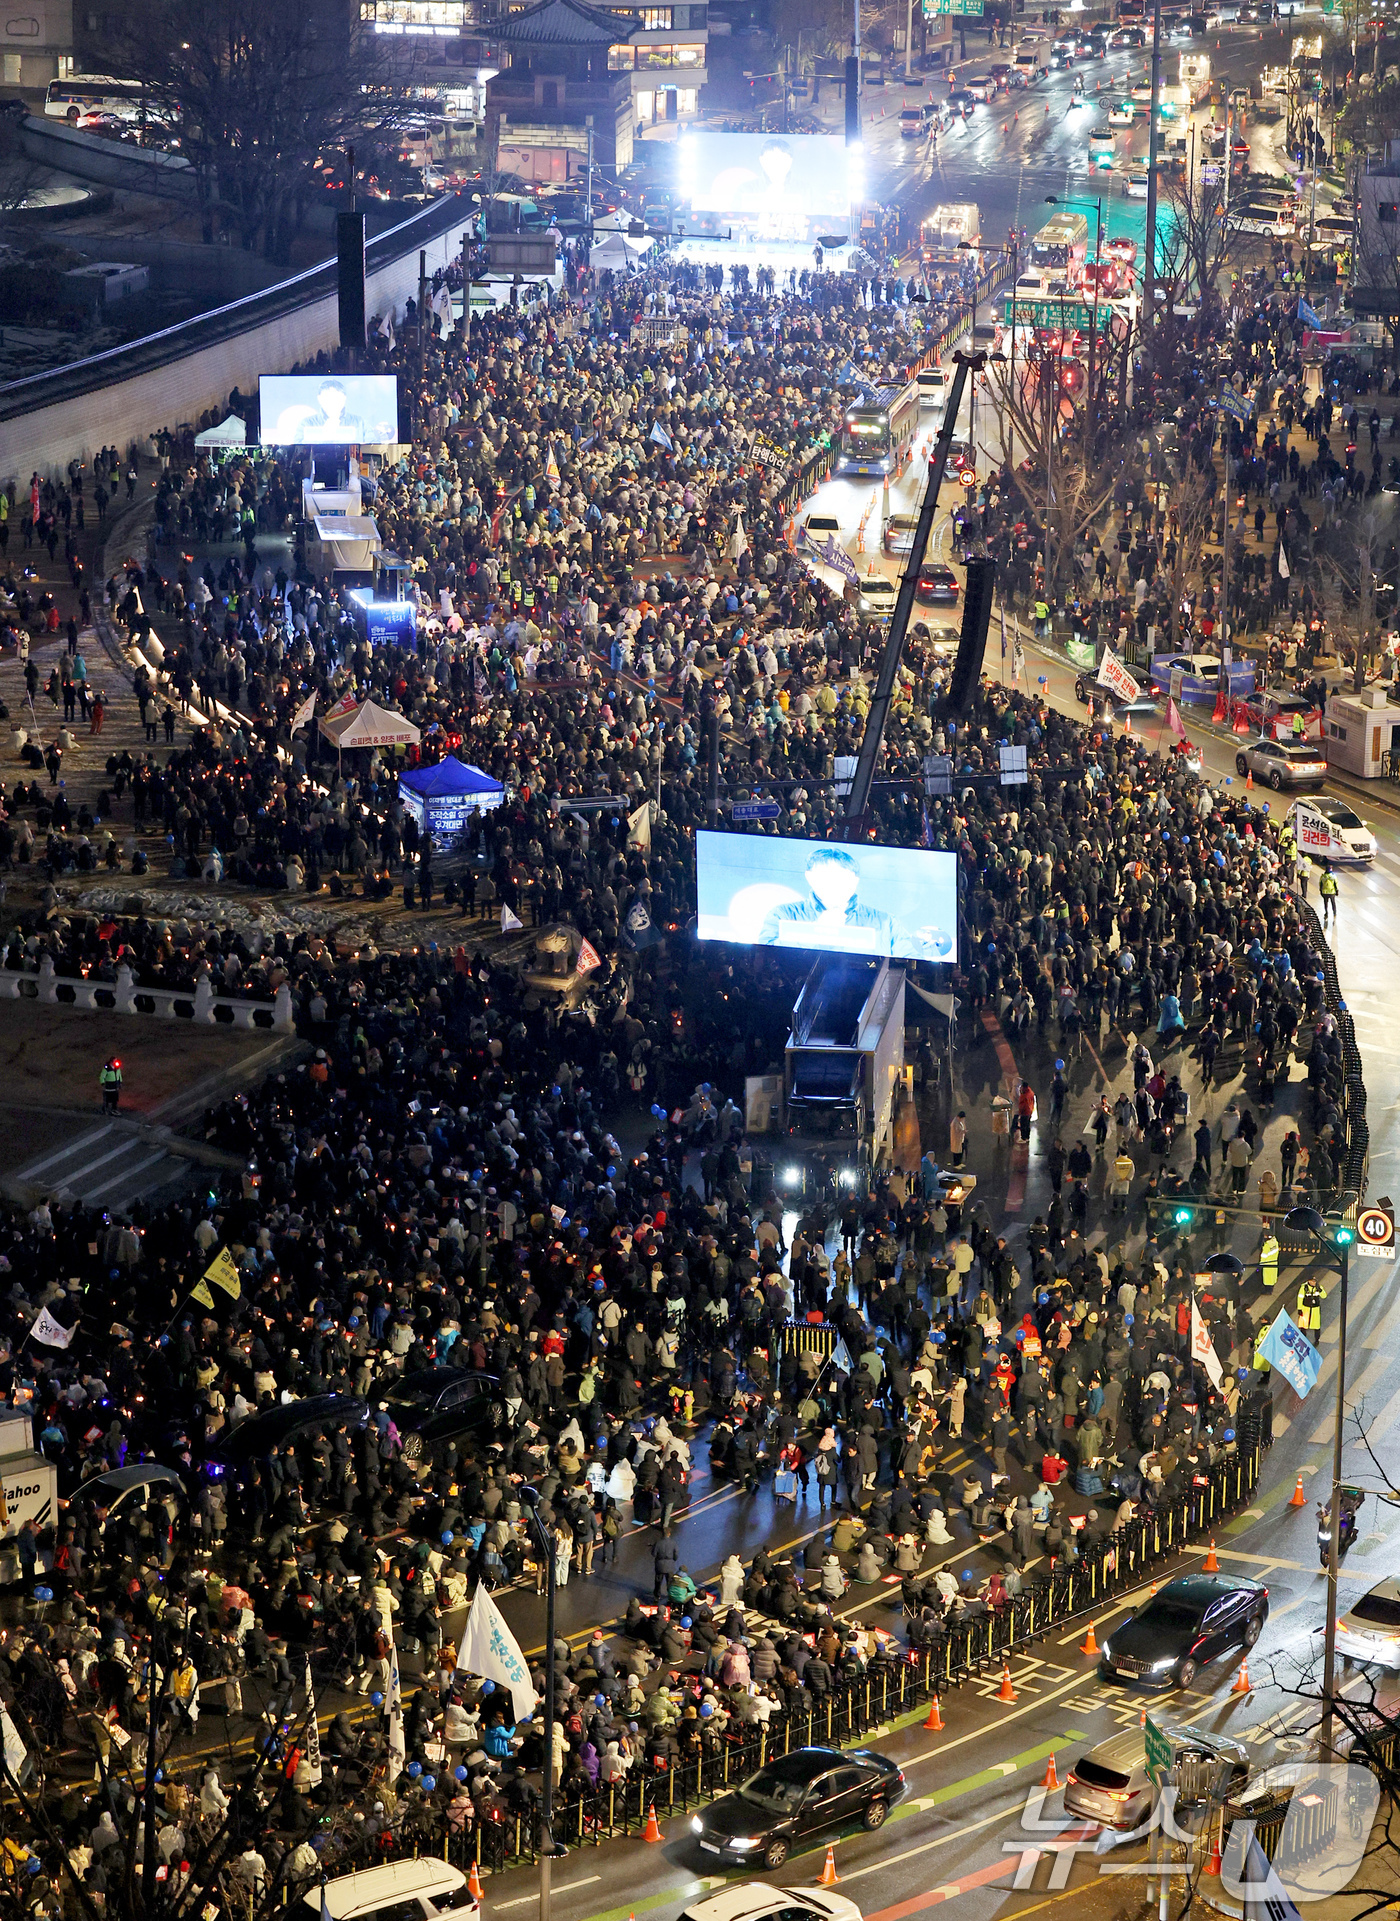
(1298, 1498)
(1052, 1780)
(474, 1883)
(1127, 723)
(1089, 1645)
(1006, 1692)
(1210, 1565)
(1142, 1719)
(652, 1832)
(1242, 1685)
(1213, 1864)
(934, 1723)
(828, 1876)
(1249, 783)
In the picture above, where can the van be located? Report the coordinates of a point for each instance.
(933, 384)
(423, 1888)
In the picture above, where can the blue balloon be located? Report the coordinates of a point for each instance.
(43, 1594)
(414, 1769)
(488, 1687)
(376, 1700)
(429, 1783)
(459, 1773)
(1128, 1319)
(447, 1538)
(685, 1620)
(1229, 1434)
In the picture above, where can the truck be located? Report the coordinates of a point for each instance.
(950, 238)
(842, 1064)
(1193, 73)
(30, 1482)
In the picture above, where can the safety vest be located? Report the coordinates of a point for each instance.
(110, 1077)
(1268, 1261)
(1327, 885)
(1310, 1299)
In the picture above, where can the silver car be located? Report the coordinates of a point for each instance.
(1369, 1632)
(1109, 1784)
(1282, 763)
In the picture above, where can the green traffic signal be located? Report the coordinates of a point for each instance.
(1182, 1216)
(1343, 1236)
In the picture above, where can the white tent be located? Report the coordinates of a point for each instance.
(616, 250)
(369, 725)
(232, 432)
(616, 222)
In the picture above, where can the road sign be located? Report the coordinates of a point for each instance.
(967, 477)
(755, 810)
(1159, 1752)
(1211, 174)
(1375, 1233)
(1057, 313)
(969, 8)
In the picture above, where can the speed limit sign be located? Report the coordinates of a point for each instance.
(1375, 1232)
(967, 477)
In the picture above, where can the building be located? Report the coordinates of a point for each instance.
(559, 94)
(1376, 261)
(37, 40)
(666, 61)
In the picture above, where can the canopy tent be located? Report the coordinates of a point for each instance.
(442, 798)
(616, 222)
(369, 725)
(232, 432)
(617, 250)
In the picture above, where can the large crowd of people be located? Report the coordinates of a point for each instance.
(563, 1194)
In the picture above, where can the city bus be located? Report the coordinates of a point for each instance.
(876, 431)
(1062, 242)
(85, 93)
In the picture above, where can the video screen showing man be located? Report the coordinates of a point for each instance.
(358, 410)
(832, 917)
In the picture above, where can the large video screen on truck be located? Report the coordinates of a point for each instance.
(328, 410)
(763, 892)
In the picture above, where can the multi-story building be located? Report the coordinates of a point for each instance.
(665, 60)
(36, 37)
(558, 96)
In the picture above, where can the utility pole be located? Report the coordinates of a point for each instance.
(1149, 269)
(544, 1536)
(908, 39)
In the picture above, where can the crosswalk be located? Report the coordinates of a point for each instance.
(114, 1162)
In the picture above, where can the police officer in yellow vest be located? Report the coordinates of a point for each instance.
(1268, 1258)
(110, 1081)
(1261, 1366)
(1310, 1299)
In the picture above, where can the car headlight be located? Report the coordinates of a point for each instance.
(697, 1826)
(745, 1841)
(1160, 1667)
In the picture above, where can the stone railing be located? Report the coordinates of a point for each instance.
(199, 1004)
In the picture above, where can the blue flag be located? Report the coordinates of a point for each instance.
(325, 1905)
(662, 438)
(841, 1357)
(1308, 317)
(1288, 1349)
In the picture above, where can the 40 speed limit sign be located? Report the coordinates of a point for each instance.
(1375, 1233)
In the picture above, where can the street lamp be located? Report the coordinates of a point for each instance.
(1053, 200)
(530, 1501)
(1338, 1235)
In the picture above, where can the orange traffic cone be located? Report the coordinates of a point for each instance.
(1210, 1565)
(1213, 1864)
(1127, 723)
(652, 1831)
(1142, 1719)
(1297, 1498)
(1089, 1645)
(1006, 1692)
(1249, 783)
(828, 1876)
(934, 1723)
(474, 1883)
(1242, 1680)
(1052, 1780)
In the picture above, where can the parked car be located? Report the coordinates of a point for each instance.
(418, 1890)
(1187, 1624)
(439, 1403)
(1281, 764)
(1368, 1634)
(753, 1901)
(794, 1796)
(815, 529)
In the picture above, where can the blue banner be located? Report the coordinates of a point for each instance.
(1288, 1349)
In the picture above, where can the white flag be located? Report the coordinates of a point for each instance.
(304, 712)
(393, 1706)
(313, 1731)
(492, 1651)
(1283, 572)
(1203, 1348)
(639, 826)
(509, 921)
(16, 1757)
(1115, 677)
(51, 1332)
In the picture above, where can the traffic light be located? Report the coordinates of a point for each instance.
(1183, 1217)
(1343, 1235)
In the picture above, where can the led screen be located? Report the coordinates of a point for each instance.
(328, 410)
(818, 894)
(786, 181)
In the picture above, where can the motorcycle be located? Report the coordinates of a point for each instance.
(1352, 1497)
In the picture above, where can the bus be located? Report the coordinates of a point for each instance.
(1062, 242)
(876, 431)
(84, 93)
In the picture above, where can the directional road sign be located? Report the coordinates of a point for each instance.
(755, 810)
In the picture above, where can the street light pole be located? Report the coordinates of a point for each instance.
(1338, 1236)
(1149, 269)
(530, 1501)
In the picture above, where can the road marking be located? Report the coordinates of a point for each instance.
(926, 1847)
(1378, 1365)
(524, 1900)
(1281, 1494)
(980, 1734)
(995, 1771)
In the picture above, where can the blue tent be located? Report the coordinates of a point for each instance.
(442, 798)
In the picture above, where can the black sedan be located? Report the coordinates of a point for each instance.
(937, 585)
(1186, 1625)
(440, 1403)
(794, 1797)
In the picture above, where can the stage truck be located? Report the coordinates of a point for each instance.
(876, 430)
(842, 1064)
(950, 238)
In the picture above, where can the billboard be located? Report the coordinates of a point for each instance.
(772, 186)
(764, 892)
(324, 410)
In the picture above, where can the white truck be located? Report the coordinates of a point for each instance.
(30, 1481)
